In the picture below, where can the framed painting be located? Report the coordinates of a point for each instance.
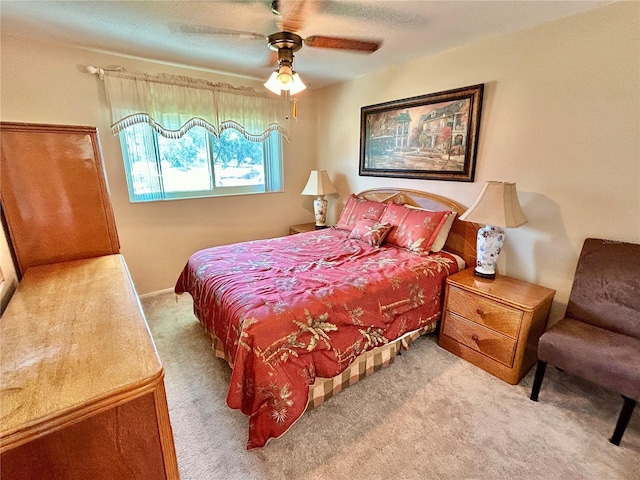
(431, 137)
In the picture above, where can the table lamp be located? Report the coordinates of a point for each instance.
(496, 207)
(319, 185)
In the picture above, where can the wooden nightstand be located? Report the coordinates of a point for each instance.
(301, 228)
(495, 323)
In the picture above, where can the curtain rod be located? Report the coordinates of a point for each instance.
(99, 71)
(168, 79)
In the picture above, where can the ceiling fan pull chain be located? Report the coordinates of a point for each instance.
(294, 113)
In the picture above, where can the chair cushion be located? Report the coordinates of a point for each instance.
(601, 356)
(606, 286)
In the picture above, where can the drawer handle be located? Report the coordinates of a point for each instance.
(475, 338)
(479, 311)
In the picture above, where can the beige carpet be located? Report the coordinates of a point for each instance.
(430, 415)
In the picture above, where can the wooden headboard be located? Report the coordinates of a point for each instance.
(463, 235)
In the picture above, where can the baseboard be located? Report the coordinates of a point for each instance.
(158, 292)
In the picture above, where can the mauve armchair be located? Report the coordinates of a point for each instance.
(599, 338)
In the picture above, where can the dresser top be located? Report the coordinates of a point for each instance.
(72, 337)
(509, 290)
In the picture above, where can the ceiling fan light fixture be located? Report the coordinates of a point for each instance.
(273, 83)
(297, 84)
(285, 79)
(285, 76)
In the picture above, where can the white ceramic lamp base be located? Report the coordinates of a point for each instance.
(490, 241)
(320, 210)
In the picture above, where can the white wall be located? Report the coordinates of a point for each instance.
(43, 83)
(561, 118)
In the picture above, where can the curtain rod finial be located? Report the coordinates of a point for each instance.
(95, 71)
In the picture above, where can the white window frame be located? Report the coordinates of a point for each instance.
(272, 167)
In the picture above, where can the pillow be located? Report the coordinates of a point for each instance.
(370, 231)
(416, 230)
(356, 209)
(443, 234)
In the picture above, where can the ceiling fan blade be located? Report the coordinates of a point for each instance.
(293, 13)
(320, 41)
(220, 32)
(273, 59)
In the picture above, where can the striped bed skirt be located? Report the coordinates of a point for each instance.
(364, 365)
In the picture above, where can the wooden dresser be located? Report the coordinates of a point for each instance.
(81, 388)
(495, 323)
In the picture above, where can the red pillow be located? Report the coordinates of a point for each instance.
(370, 232)
(356, 209)
(415, 230)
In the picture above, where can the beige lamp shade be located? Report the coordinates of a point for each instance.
(319, 184)
(497, 205)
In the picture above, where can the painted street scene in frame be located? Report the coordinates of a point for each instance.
(426, 138)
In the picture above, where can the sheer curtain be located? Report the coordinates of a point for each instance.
(173, 104)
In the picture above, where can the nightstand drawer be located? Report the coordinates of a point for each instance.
(479, 338)
(485, 312)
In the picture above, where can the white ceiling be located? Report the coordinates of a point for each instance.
(146, 29)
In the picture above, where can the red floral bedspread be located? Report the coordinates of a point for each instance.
(292, 308)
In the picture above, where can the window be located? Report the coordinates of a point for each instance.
(198, 164)
(185, 137)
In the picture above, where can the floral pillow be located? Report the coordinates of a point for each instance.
(443, 234)
(356, 209)
(370, 231)
(415, 230)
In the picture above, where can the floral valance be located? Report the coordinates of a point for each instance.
(173, 104)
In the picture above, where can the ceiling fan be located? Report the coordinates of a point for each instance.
(287, 41)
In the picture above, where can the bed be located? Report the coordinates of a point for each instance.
(301, 317)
